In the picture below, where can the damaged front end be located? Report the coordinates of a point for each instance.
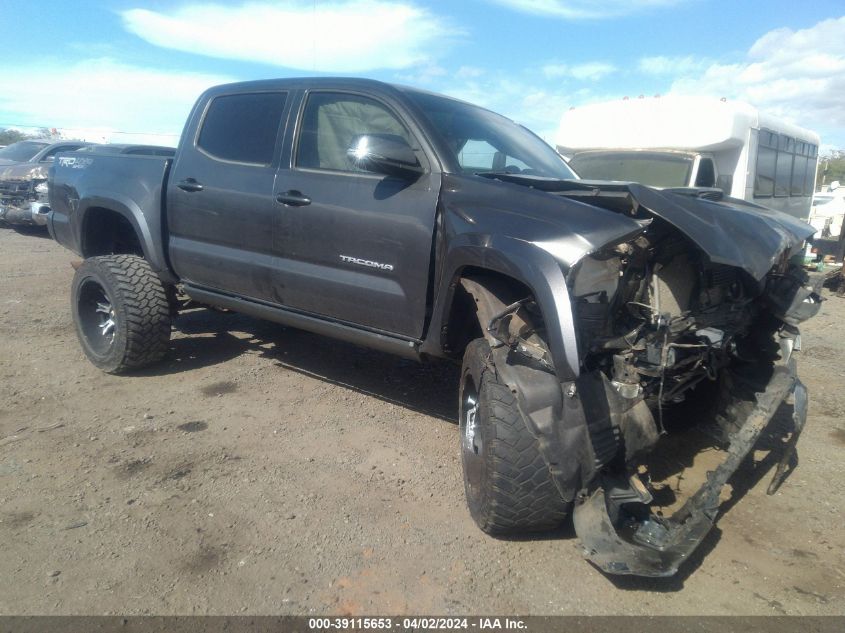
(665, 325)
(24, 195)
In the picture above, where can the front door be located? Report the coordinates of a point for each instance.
(352, 245)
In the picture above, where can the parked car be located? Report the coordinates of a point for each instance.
(828, 212)
(582, 313)
(23, 184)
(828, 218)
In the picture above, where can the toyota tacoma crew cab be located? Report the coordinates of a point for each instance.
(584, 313)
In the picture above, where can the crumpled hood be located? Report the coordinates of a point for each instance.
(730, 231)
(568, 229)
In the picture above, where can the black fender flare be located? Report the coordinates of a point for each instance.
(151, 243)
(528, 264)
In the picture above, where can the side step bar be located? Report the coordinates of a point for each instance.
(383, 342)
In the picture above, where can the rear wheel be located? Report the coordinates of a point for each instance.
(508, 485)
(121, 312)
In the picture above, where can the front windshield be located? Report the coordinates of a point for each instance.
(22, 151)
(484, 142)
(648, 168)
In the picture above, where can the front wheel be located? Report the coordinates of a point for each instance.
(121, 312)
(507, 482)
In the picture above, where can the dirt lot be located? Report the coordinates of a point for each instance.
(266, 470)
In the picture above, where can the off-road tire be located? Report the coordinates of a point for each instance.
(139, 310)
(507, 483)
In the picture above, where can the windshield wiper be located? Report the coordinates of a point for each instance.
(513, 174)
(495, 172)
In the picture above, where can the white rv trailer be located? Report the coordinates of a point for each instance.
(694, 141)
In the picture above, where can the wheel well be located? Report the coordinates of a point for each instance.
(107, 232)
(479, 294)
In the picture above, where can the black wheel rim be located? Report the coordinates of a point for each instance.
(472, 445)
(97, 318)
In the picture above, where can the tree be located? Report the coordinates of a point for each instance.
(7, 136)
(831, 167)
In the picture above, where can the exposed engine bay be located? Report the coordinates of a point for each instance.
(658, 322)
(656, 318)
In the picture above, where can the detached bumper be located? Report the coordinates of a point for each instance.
(657, 546)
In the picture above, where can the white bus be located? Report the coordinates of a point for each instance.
(678, 141)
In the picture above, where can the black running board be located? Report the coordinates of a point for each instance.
(312, 323)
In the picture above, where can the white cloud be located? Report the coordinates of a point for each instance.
(523, 101)
(589, 71)
(423, 76)
(585, 9)
(662, 65)
(103, 95)
(343, 36)
(469, 72)
(799, 75)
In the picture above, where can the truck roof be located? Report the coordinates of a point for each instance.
(670, 122)
(352, 83)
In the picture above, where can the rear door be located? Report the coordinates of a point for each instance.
(220, 202)
(354, 246)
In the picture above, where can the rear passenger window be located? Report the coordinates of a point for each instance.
(242, 128)
(783, 173)
(764, 183)
(785, 166)
(799, 171)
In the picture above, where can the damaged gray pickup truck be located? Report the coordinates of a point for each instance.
(584, 313)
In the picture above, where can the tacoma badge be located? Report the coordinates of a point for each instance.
(365, 262)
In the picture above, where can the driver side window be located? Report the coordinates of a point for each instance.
(332, 120)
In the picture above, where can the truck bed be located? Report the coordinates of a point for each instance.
(133, 184)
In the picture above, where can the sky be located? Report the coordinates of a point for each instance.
(130, 70)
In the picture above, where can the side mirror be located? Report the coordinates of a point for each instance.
(384, 154)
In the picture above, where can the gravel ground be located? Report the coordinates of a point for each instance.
(266, 470)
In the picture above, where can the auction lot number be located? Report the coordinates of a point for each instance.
(413, 624)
